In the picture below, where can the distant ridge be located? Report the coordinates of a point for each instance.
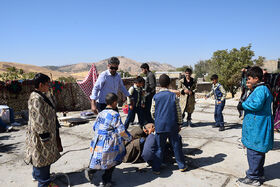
(80, 70)
(126, 64)
(31, 68)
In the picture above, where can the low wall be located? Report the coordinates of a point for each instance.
(71, 98)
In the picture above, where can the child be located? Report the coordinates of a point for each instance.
(187, 88)
(136, 102)
(107, 146)
(149, 145)
(219, 93)
(168, 118)
(41, 136)
(257, 129)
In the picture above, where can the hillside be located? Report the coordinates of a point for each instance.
(126, 64)
(80, 70)
(31, 68)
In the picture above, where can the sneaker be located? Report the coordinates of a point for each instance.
(222, 128)
(248, 181)
(103, 184)
(9, 129)
(156, 172)
(184, 169)
(52, 184)
(88, 175)
(262, 177)
(108, 184)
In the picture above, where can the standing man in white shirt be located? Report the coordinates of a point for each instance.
(109, 81)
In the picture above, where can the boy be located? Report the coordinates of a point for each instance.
(168, 118)
(107, 146)
(257, 128)
(149, 145)
(219, 93)
(41, 136)
(187, 88)
(136, 102)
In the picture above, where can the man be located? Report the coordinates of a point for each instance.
(109, 81)
(150, 89)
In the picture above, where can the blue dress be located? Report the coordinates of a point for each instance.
(107, 146)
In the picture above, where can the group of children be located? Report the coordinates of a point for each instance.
(257, 131)
(108, 148)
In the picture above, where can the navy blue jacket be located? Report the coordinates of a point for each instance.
(165, 112)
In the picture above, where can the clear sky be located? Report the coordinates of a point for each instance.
(177, 32)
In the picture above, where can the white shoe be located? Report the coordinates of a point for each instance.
(9, 129)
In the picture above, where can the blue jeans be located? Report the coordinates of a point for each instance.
(175, 141)
(256, 162)
(131, 116)
(219, 118)
(42, 175)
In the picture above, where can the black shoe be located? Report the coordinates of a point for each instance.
(88, 174)
(108, 184)
(222, 128)
(248, 181)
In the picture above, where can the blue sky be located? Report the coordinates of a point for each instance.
(177, 32)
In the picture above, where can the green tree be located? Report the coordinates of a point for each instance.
(12, 73)
(201, 68)
(69, 79)
(227, 64)
(124, 73)
(182, 69)
(259, 61)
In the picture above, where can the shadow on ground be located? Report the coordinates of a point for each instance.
(4, 148)
(271, 172)
(206, 161)
(130, 176)
(276, 145)
(227, 126)
(202, 124)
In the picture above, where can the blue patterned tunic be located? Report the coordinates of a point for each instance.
(107, 146)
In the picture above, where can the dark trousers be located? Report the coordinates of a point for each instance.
(175, 141)
(148, 105)
(42, 175)
(131, 116)
(256, 162)
(219, 118)
(107, 176)
(189, 117)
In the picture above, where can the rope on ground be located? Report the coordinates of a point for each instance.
(55, 175)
